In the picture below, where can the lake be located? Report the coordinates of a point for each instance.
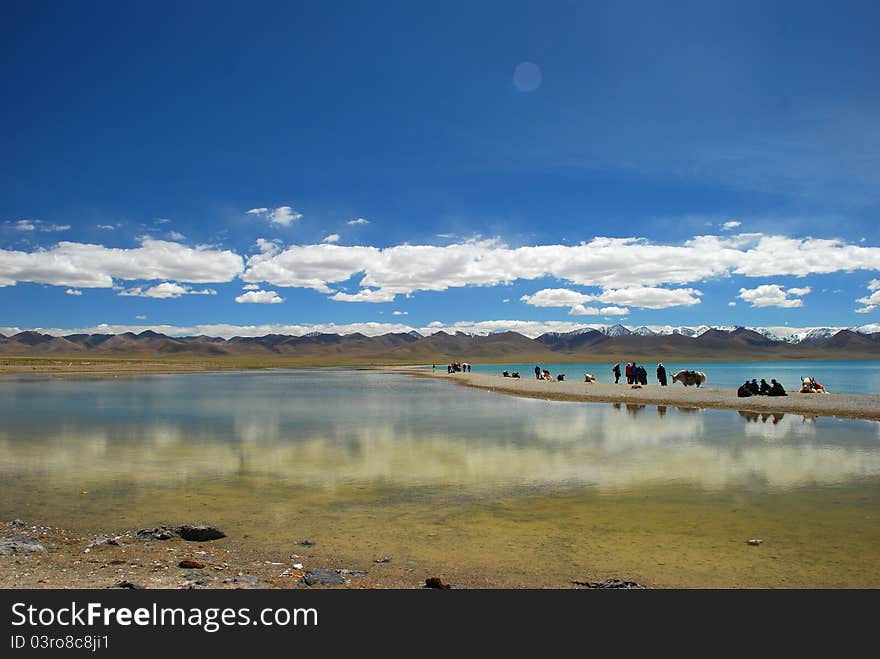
(479, 487)
(852, 377)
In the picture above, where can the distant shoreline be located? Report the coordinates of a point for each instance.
(851, 406)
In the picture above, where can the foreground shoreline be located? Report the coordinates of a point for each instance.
(851, 406)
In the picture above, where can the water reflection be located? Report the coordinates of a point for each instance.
(324, 428)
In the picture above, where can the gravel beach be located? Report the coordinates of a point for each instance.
(854, 406)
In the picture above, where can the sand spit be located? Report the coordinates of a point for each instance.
(854, 406)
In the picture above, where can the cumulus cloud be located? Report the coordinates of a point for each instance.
(800, 292)
(332, 238)
(165, 290)
(770, 295)
(259, 297)
(283, 215)
(364, 295)
(608, 263)
(73, 291)
(400, 313)
(250, 287)
(24, 225)
(870, 302)
(176, 235)
(84, 265)
(729, 226)
(358, 220)
(639, 296)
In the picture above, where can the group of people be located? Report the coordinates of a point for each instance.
(752, 388)
(458, 367)
(636, 374)
(544, 374)
(508, 374)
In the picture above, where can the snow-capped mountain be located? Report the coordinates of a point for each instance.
(617, 330)
(791, 335)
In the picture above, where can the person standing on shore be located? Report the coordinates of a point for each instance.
(628, 373)
(616, 371)
(661, 374)
(537, 372)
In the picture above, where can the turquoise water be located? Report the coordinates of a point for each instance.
(854, 377)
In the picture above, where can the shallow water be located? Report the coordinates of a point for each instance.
(483, 488)
(843, 377)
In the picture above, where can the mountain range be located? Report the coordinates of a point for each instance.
(616, 342)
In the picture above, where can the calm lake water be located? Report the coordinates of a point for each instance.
(451, 480)
(854, 377)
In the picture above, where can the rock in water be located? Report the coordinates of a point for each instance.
(199, 533)
(19, 545)
(323, 578)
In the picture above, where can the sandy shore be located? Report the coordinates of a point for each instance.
(855, 406)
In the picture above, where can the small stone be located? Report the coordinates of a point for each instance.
(19, 545)
(199, 533)
(754, 542)
(190, 565)
(436, 582)
(18, 523)
(159, 533)
(306, 543)
(608, 583)
(127, 584)
(323, 578)
(384, 559)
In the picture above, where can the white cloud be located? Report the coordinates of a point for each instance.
(176, 235)
(506, 300)
(165, 290)
(332, 238)
(640, 296)
(283, 215)
(84, 265)
(581, 310)
(259, 297)
(38, 225)
(608, 263)
(358, 220)
(769, 295)
(162, 220)
(251, 287)
(731, 304)
(800, 292)
(141, 317)
(364, 295)
(106, 227)
(729, 226)
(400, 313)
(871, 301)
(73, 291)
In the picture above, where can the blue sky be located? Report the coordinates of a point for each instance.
(489, 149)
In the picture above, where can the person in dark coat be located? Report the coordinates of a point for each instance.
(537, 372)
(764, 389)
(628, 373)
(616, 371)
(776, 389)
(745, 390)
(754, 388)
(661, 374)
(643, 375)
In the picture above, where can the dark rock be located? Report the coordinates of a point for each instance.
(127, 584)
(19, 545)
(190, 565)
(246, 579)
(323, 578)
(160, 533)
(197, 579)
(18, 524)
(436, 582)
(199, 533)
(353, 573)
(306, 543)
(608, 583)
(384, 559)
